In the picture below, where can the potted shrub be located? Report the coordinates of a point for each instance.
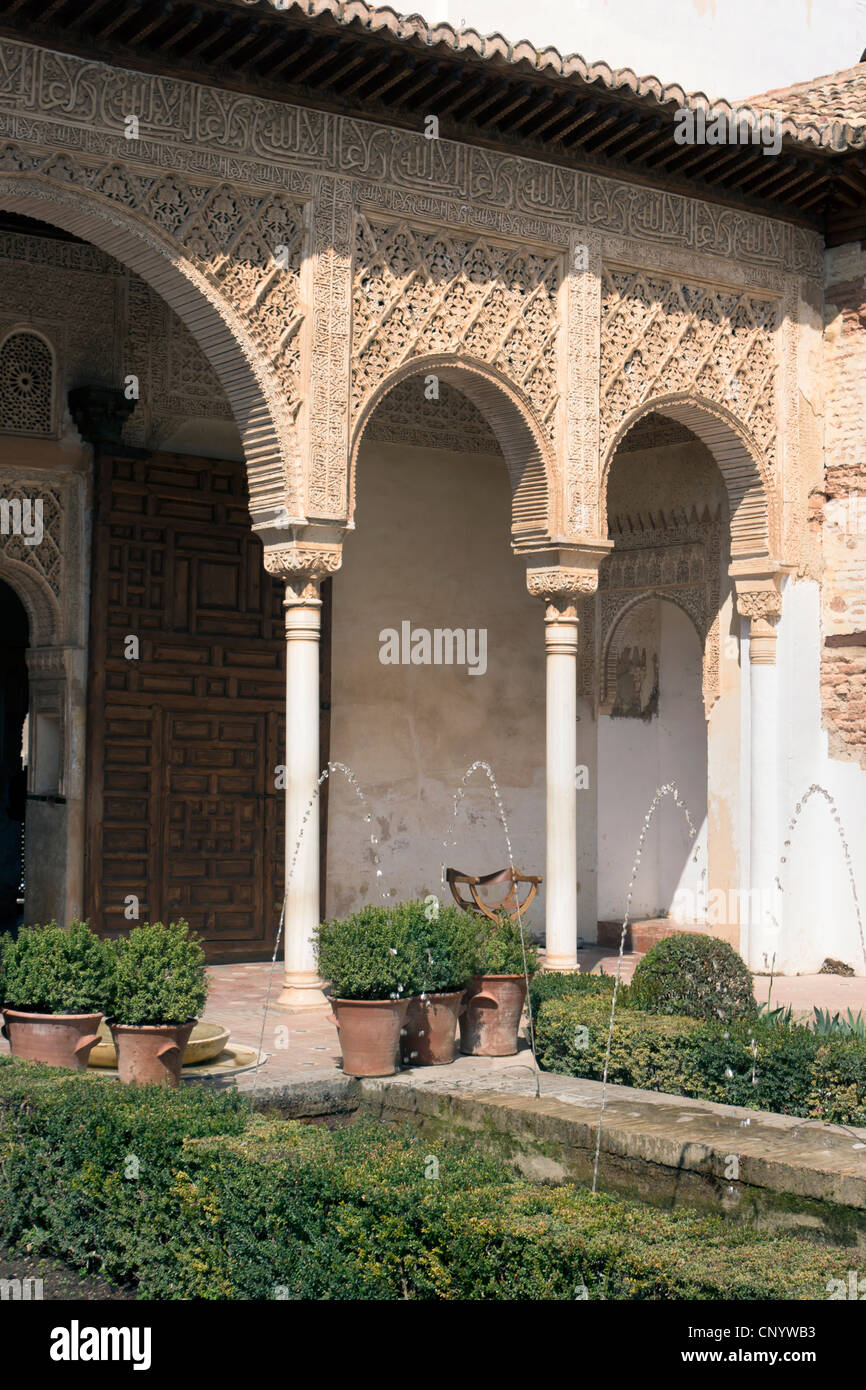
(56, 983)
(447, 942)
(159, 991)
(372, 962)
(497, 993)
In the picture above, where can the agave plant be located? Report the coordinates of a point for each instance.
(780, 1017)
(851, 1026)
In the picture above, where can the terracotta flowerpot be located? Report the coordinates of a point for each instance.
(489, 1023)
(59, 1040)
(369, 1034)
(430, 1036)
(151, 1053)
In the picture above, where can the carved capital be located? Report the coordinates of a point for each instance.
(765, 604)
(564, 575)
(758, 592)
(303, 564)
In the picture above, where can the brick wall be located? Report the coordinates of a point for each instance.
(843, 666)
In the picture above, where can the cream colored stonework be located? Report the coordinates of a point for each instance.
(313, 256)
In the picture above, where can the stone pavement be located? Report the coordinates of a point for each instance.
(301, 1044)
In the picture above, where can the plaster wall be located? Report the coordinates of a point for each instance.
(635, 758)
(818, 916)
(432, 548)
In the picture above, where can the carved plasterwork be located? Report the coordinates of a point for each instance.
(330, 348)
(48, 576)
(407, 415)
(543, 583)
(760, 604)
(583, 363)
(419, 291)
(661, 337)
(677, 559)
(220, 181)
(46, 558)
(302, 565)
(103, 321)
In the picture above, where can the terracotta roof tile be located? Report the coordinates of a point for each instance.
(829, 111)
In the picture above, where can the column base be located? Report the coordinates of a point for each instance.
(562, 965)
(303, 991)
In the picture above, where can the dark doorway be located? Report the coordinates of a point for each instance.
(13, 773)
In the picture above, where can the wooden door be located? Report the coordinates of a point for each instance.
(184, 737)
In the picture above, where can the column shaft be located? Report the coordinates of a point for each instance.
(758, 928)
(561, 872)
(303, 988)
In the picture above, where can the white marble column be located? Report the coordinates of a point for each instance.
(303, 988)
(561, 577)
(560, 642)
(302, 563)
(761, 603)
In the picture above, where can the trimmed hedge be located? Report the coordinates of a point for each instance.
(694, 976)
(550, 984)
(190, 1195)
(763, 1066)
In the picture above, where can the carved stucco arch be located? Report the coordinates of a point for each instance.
(266, 428)
(40, 605)
(754, 523)
(521, 436)
(665, 596)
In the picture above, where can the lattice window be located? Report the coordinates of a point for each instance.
(26, 385)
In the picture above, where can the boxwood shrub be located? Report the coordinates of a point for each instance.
(188, 1194)
(757, 1064)
(373, 954)
(551, 984)
(505, 946)
(57, 970)
(694, 976)
(160, 975)
(446, 940)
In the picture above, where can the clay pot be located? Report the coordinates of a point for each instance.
(151, 1053)
(489, 1022)
(369, 1034)
(206, 1042)
(59, 1040)
(430, 1036)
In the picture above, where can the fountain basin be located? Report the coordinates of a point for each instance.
(207, 1041)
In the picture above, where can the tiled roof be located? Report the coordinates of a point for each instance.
(829, 112)
(840, 96)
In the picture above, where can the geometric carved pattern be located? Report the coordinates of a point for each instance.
(674, 556)
(659, 337)
(26, 385)
(46, 558)
(418, 291)
(248, 244)
(406, 416)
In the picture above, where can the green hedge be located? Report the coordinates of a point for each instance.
(757, 1064)
(190, 1195)
(550, 984)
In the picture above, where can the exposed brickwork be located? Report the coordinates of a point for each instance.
(843, 506)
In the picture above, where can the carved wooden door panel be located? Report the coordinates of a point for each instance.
(184, 737)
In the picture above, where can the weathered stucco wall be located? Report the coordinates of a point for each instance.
(432, 548)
